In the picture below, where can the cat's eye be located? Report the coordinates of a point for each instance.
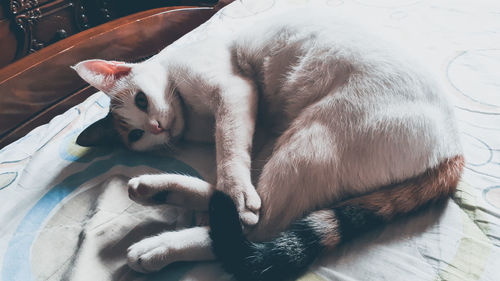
(141, 101)
(135, 135)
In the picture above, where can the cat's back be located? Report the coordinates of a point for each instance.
(313, 30)
(372, 86)
(320, 51)
(312, 41)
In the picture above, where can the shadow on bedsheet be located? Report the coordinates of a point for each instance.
(87, 233)
(95, 228)
(87, 238)
(80, 229)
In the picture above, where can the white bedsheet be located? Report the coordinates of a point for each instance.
(65, 214)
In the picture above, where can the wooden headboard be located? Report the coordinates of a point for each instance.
(40, 86)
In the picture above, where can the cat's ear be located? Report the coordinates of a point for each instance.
(102, 74)
(101, 133)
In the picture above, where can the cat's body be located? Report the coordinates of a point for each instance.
(346, 115)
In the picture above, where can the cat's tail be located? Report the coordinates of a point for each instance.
(295, 249)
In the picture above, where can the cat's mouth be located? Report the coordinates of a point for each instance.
(165, 132)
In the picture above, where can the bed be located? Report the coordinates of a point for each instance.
(64, 209)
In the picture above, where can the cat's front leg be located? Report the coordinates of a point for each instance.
(154, 253)
(235, 124)
(174, 189)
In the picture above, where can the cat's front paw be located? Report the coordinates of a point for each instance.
(247, 202)
(179, 190)
(150, 254)
(142, 190)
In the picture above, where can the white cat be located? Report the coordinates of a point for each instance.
(357, 133)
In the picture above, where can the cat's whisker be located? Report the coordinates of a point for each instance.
(266, 269)
(115, 106)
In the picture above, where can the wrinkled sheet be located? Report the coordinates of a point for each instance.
(65, 213)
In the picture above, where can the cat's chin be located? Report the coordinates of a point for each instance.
(173, 139)
(176, 131)
(170, 141)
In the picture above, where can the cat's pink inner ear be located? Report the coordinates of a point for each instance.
(102, 74)
(112, 68)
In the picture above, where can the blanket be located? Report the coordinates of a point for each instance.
(65, 213)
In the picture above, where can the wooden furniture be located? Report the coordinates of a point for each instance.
(41, 85)
(100, 11)
(27, 26)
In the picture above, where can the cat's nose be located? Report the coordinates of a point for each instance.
(155, 127)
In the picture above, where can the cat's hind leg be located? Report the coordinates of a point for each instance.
(301, 175)
(180, 190)
(154, 253)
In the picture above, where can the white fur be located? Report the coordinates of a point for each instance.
(154, 253)
(184, 191)
(350, 113)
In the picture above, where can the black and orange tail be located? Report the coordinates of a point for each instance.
(296, 248)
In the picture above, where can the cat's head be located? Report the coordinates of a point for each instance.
(145, 110)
